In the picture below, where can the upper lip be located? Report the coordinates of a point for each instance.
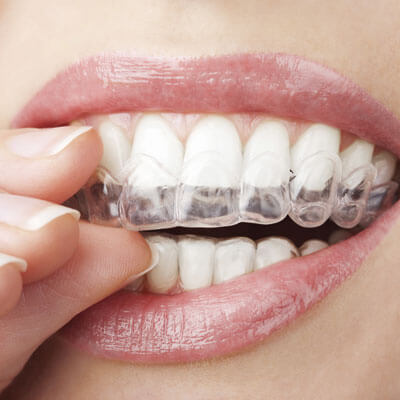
(223, 318)
(278, 84)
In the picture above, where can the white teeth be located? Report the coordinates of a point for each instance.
(163, 277)
(192, 262)
(358, 154)
(269, 137)
(155, 139)
(208, 193)
(196, 262)
(148, 195)
(338, 236)
(317, 170)
(264, 196)
(385, 164)
(312, 246)
(213, 154)
(116, 148)
(233, 258)
(207, 182)
(272, 250)
(358, 175)
(317, 138)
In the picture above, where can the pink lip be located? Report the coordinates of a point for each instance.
(224, 318)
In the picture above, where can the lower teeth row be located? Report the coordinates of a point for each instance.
(317, 192)
(191, 262)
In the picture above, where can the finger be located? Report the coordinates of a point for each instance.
(50, 164)
(106, 259)
(10, 281)
(44, 234)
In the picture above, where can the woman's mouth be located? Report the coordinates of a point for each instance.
(257, 178)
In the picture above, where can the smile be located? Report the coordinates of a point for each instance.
(261, 180)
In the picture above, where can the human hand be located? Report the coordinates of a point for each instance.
(51, 266)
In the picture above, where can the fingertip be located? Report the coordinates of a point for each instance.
(125, 254)
(55, 175)
(88, 148)
(72, 167)
(148, 253)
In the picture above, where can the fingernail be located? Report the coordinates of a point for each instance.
(30, 214)
(155, 258)
(43, 142)
(19, 263)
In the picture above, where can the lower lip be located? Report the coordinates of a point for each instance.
(222, 319)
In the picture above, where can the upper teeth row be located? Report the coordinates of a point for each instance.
(212, 181)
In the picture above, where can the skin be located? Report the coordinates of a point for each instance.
(346, 347)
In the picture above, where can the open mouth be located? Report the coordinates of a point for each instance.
(211, 172)
(244, 201)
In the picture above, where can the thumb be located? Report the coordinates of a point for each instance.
(106, 259)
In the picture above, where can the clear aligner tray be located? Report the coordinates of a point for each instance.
(147, 197)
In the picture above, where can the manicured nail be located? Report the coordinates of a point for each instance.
(155, 258)
(30, 214)
(39, 143)
(19, 263)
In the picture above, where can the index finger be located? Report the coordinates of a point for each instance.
(49, 164)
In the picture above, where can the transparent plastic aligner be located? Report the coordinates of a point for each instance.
(380, 199)
(313, 189)
(78, 202)
(208, 193)
(352, 196)
(264, 197)
(148, 196)
(100, 197)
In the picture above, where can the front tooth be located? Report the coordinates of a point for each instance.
(116, 147)
(148, 197)
(316, 138)
(274, 249)
(154, 138)
(358, 154)
(233, 258)
(312, 246)
(196, 262)
(266, 166)
(163, 277)
(210, 174)
(385, 164)
(316, 166)
(271, 137)
(216, 135)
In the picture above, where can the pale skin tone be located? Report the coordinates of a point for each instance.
(347, 347)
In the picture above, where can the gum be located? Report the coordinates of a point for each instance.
(165, 201)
